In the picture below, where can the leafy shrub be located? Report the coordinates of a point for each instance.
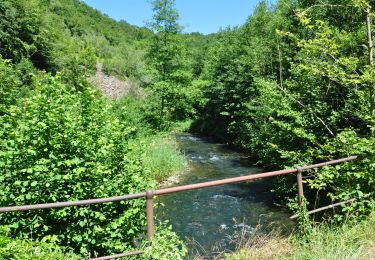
(8, 84)
(158, 152)
(46, 248)
(165, 245)
(349, 180)
(131, 112)
(125, 62)
(61, 144)
(79, 62)
(15, 82)
(274, 130)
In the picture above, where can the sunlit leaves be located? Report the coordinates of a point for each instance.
(61, 144)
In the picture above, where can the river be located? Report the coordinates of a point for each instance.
(210, 220)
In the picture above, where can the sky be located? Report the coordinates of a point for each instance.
(204, 16)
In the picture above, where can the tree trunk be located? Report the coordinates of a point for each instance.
(371, 62)
(280, 66)
(162, 108)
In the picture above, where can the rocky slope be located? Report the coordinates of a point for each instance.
(112, 87)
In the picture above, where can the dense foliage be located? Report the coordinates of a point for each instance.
(61, 140)
(63, 145)
(47, 248)
(21, 33)
(166, 56)
(293, 85)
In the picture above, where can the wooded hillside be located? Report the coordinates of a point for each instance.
(292, 86)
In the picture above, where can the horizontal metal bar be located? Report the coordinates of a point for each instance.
(332, 206)
(222, 182)
(72, 203)
(172, 190)
(119, 255)
(248, 177)
(318, 165)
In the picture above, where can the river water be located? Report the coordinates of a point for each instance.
(210, 219)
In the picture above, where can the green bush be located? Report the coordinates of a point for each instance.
(46, 248)
(274, 129)
(8, 84)
(165, 245)
(15, 83)
(350, 180)
(61, 144)
(125, 62)
(131, 112)
(158, 152)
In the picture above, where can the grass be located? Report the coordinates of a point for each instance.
(325, 242)
(183, 126)
(163, 157)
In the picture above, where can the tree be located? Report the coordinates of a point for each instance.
(371, 61)
(356, 13)
(163, 49)
(20, 33)
(166, 57)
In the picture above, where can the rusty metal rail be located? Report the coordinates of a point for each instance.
(119, 255)
(333, 205)
(149, 195)
(72, 203)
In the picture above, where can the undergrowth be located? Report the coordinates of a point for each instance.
(46, 248)
(325, 241)
(162, 156)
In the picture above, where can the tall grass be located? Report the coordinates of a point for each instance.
(163, 157)
(345, 242)
(326, 242)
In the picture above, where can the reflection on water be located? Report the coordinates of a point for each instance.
(211, 217)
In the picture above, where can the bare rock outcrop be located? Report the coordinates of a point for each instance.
(112, 87)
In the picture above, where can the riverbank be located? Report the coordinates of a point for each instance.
(349, 241)
(209, 219)
(163, 158)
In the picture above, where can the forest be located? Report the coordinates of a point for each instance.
(294, 85)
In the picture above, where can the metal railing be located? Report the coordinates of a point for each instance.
(150, 194)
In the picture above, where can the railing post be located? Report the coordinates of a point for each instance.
(150, 214)
(300, 185)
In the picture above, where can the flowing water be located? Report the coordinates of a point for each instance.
(210, 219)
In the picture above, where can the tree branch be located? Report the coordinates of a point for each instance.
(310, 110)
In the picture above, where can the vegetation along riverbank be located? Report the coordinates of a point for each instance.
(88, 107)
